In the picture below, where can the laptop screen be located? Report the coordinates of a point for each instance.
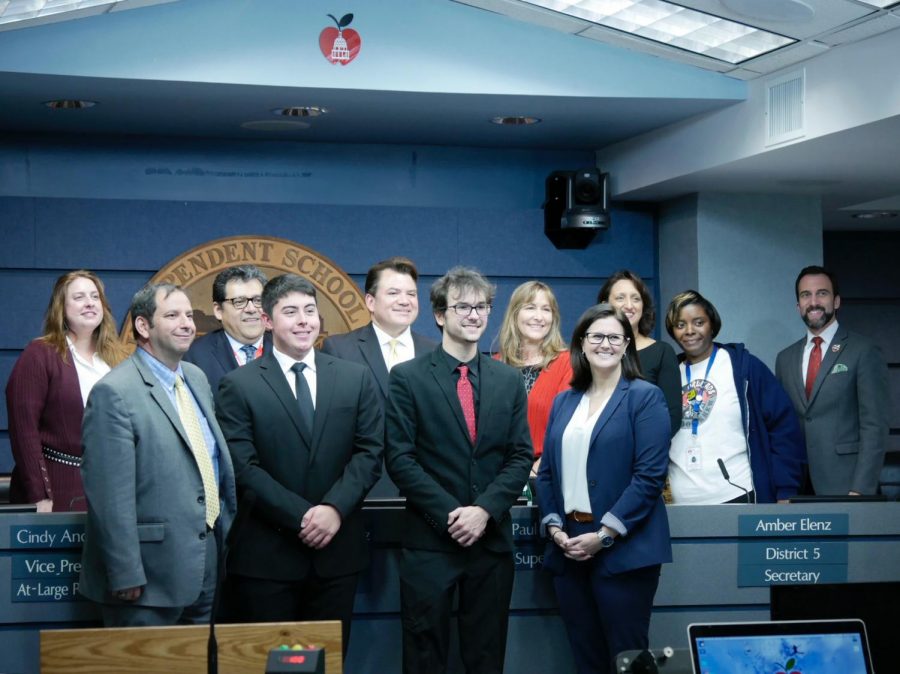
(802, 647)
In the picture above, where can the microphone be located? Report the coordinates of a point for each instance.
(248, 500)
(728, 479)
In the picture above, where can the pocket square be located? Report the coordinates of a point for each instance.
(837, 369)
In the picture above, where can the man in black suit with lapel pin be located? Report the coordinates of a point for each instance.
(459, 449)
(306, 434)
(838, 382)
(392, 298)
(237, 303)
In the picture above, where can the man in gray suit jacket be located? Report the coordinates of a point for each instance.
(838, 383)
(392, 299)
(157, 475)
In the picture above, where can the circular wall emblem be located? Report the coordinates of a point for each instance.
(341, 303)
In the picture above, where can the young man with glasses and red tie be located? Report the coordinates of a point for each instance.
(459, 449)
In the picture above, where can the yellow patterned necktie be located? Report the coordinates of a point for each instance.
(191, 423)
(394, 354)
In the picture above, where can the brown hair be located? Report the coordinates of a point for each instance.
(106, 341)
(581, 371)
(648, 313)
(510, 339)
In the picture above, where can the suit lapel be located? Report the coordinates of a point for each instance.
(371, 352)
(224, 353)
(446, 384)
(835, 349)
(274, 378)
(795, 373)
(325, 383)
(485, 400)
(612, 404)
(159, 395)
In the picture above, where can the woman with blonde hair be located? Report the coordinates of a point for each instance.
(530, 340)
(48, 388)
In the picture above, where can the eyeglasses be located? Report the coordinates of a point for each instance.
(463, 309)
(596, 338)
(241, 302)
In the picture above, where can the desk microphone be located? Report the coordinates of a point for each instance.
(728, 478)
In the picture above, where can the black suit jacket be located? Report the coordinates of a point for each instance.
(430, 458)
(361, 346)
(212, 353)
(290, 471)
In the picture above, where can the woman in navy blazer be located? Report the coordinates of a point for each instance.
(600, 491)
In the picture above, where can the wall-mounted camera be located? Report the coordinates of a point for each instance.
(577, 207)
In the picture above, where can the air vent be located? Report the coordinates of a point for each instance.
(785, 101)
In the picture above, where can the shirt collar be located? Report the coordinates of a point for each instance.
(159, 369)
(827, 334)
(453, 362)
(237, 346)
(285, 362)
(404, 338)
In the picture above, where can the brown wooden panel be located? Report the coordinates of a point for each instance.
(181, 649)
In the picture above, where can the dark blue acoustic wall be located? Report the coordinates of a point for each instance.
(125, 208)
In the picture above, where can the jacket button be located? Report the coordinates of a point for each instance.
(203, 536)
(592, 483)
(200, 499)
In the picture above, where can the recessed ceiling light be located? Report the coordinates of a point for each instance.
(515, 121)
(875, 215)
(69, 104)
(301, 111)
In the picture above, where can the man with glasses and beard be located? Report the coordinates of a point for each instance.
(837, 381)
(459, 449)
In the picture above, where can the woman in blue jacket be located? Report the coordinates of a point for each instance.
(740, 440)
(599, 488)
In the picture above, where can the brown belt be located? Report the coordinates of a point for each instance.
(580, 517)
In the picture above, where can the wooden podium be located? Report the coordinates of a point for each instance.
(181, 649)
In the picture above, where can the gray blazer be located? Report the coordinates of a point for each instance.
(146, 521)
(846, 417)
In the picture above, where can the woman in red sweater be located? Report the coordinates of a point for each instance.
(48, 388)
(530, 340)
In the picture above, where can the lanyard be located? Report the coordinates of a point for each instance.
(695, 401)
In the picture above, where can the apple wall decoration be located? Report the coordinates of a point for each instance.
(341, 44)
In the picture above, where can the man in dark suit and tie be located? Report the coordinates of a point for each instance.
(157, 476)
(459, 449)
(306, 435)
(838, 383)
(237, 302)
(392, 298)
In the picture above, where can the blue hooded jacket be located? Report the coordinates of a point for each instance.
(775, 441)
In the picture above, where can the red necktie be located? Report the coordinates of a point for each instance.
(815, 361)
(466, 399)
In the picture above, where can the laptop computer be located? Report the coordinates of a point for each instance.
(788, 647)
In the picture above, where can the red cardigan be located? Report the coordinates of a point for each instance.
(552, 380)
(43, 401)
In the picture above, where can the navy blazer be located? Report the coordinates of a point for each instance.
(626, 471)
(212, 353)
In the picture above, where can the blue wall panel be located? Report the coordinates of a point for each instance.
(100, 204)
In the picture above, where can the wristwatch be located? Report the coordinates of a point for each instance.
(606, 541)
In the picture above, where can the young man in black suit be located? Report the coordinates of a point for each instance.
(392, 298)
(305, 432)
(237, 303)
(459, 449)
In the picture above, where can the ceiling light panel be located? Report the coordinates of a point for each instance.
(30, 12)
(673, 25)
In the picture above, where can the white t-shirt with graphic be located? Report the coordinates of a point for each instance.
(694, 474)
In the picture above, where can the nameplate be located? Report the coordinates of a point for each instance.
(828, 524)
(63, 590)
(792, 552)
(37, 536)
(529, 557)
(761, 575)
(525, 525)
(30, 567)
